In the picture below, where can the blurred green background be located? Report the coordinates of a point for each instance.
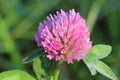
(19, 20)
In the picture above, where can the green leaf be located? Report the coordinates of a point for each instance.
(15, 75)
(104, 69)
(100, 51)
(90, 65)
(42, 67)
(38, 69)
(95, 65)
(35, 54)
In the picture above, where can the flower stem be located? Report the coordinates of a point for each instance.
(57, 70)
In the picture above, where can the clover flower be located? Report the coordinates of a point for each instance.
(64, 36)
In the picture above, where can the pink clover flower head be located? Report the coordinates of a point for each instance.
(64, 36)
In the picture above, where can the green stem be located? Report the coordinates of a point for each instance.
(57, 70)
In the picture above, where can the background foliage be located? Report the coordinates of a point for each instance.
(19, 20)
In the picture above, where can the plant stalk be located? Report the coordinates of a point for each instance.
(57, 71)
